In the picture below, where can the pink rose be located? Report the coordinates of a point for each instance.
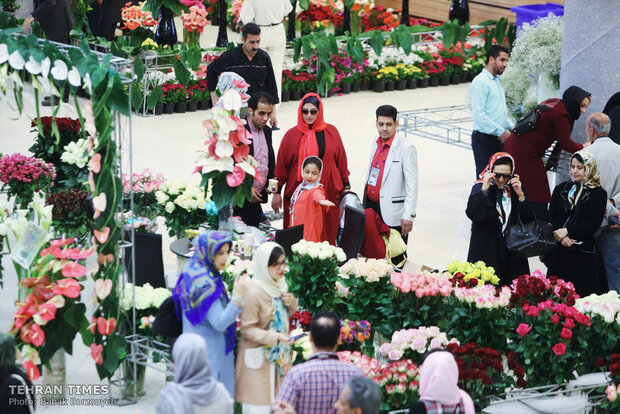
(523, 329)
(559, 349)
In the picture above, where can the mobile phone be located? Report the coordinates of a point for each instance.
(296, 337)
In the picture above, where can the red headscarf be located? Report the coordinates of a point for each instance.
(308, 146)
(494, 158)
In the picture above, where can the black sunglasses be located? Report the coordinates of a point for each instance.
(502, 175)
(309, 111)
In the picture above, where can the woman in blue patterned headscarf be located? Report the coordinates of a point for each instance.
(207, 311)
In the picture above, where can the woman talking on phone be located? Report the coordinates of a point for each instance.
(496, 202)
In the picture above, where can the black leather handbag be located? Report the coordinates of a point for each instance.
(531, 239)
(527, 123)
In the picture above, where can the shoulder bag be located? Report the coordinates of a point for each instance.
(531, 239)
(527, 123)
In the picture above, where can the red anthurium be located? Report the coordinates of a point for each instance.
(32, 334)
(32, 370)
(43, 292)
(78, 254)
(240, 152)
(61, 242)
(95, 163)
(59, 253)
(67, 287)
(46, 313)
(92, 325)
(102, 236)
(73, 269)
(236, 177)
(106, 327)
(95, 352)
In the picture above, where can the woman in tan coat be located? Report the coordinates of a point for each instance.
(264, 353)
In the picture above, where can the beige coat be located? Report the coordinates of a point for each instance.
(252, 385)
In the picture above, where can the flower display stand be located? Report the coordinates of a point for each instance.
(56, 375)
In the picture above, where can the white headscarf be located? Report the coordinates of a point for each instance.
(193, 382)
(261, 271)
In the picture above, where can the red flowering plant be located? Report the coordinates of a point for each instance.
(536, 288)
(144, 185)
(378, 18)
(52, 314)
(398, 380)
(173, 92)
(304, 82)
(300, 319)
(58, 137)
(453, 59)
(548, 331)
(137, 22)
(197, 90)
(484, 372)
(68, 213)
(23, 176)
(318, 13)
(612, 390)
(287, 80)
(433, 68)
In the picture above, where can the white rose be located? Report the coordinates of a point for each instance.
(161, 197)
(169, 207)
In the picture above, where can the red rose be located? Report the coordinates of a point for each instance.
(559, 349)
(569, 323)
(533, 311)
(566, 334)
(523, 329)
(582, 319)
(555, 319)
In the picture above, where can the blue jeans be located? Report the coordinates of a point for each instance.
(484, 146)
(609, 243)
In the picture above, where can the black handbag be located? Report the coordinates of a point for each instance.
(527, 123)
(166, 321)
(531, 239)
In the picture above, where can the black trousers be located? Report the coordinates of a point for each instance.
(484, 146)
(250, 213)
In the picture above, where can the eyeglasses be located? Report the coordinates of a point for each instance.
(309, 111)
(502, 175)
(279, 264)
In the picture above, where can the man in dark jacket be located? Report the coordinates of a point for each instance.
(260, 108)
(56, 19)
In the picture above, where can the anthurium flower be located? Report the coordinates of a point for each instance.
(33, 66)
(236, 177)
(79, 254)
(106, 327)
(60, 70)
(58, 301)
(103, 287)
(74, 77)
(73, 269)
(91, 182)
(100, 203)
(46, 313)
(95, 353)
(92, 326)
(31, 369)
(249, 169)
(102, 236)
(105, 258)
(68, 288)
(32, 334)
(223, 149)
(45, 67)
(4, 53)
(95, 163)
(61, 242)
(16, 61)
(231, 100)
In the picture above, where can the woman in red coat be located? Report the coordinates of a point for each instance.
(529, 149)
(312, 137)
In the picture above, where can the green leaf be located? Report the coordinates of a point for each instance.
(181, 72)
(136, 98)
(193, 57)
(349, 3)
(376, 41)
(297, 49)
(304, 4)
(118, 99)
(138, 67)
(154, 97)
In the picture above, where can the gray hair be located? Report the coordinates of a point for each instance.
(600, 123)
(365, 394)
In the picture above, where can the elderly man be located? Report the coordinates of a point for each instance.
(607, 156)
(314, 386)
(359, 396)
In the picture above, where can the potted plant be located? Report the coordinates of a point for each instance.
(390, 76)
(287, 84)
(378, 81)
(345, 86)
(413, 75)
(403, 75)
(423, 80)
(181, 98)
(24, 176)
(168, 97)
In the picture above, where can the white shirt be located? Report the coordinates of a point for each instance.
(264, 12)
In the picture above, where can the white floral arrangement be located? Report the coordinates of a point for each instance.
(484, 296)
(147, 297)
(173, 193)
(391, 56)
(323, 250)
(420, 340)
(303, 344)
(536, 50)
(372, 270)
(76, 153)
(240, 268)
(606, 306)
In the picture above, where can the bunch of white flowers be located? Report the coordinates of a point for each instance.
(192, 198)
(146, 296)
(76, 153)
(606, 306)
(391, 56)
(484, 296)
(240, 268)
(323, 250)
(174, 193)
(372, 270)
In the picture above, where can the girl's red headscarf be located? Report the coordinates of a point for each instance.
(494, 158)
(308, 146)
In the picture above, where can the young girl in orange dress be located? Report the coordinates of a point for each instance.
(308, 201)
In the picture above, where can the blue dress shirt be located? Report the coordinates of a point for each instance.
(488, 104)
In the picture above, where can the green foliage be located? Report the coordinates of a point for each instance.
(401, 37)
(376, 41)
(313, 282)
(453, 32)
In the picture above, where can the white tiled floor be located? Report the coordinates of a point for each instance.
(168, 144)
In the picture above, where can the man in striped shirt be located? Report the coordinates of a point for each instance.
(314, 386)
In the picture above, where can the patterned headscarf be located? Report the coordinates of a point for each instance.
(304, 185)
(591, 178)
(232, 80)
(200, 283)
(504, 205)
(308, 146)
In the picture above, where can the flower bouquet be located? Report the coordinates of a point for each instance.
(398, 380)
(137, 22)
(183, 206)
(302, 348)
(141, 224)
(313, 274)
(479, 315)
(147, 303)
(24, 176)
(193, 24)
(52, 315)
(465, 274)
(368, 285)
(484, 372)
(603, 335)
(612, 390)
(354, 334)
(536, 288)
(68, 213)
(236, 269)
(226, 166)
(414, 343)
(144, 186)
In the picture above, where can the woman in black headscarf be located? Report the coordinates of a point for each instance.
(13, 398)
(612, 110)
(529, 149)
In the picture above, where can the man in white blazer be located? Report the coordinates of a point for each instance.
(392, 179)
